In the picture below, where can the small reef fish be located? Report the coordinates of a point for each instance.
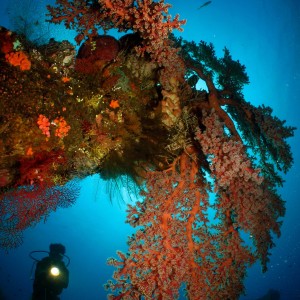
(205, 4)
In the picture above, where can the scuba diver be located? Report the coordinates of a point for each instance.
(51, 274)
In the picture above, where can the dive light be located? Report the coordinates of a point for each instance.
(54, 271)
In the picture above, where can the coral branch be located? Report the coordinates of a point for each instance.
(177, 243)
(26, 206)
(159, 260)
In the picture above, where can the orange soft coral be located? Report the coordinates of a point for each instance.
(44, 125)
(114, 104)
(62, 127)
(20, 59)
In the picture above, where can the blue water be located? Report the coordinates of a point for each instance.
(265, 36)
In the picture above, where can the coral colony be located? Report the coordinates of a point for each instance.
(131, 107)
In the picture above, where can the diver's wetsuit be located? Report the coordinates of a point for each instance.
(47, 286)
